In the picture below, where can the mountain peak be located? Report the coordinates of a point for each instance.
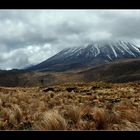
(92, 54)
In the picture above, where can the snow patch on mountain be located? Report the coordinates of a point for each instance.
(113, 50)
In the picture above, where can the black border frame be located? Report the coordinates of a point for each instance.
(73, 135)
(64, 135)
(70, 4)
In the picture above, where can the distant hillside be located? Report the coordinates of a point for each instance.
(119, 71)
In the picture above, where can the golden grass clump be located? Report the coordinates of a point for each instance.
(129, 113)
(0, 103)
(129, 126)
(51, 120)
(73, 113)
(17, 112)
(100, 117)
(11, 117)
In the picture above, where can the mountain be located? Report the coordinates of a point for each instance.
(92, 54)
(108, 61)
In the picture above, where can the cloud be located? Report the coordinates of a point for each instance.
(28, 37)
(23, 57)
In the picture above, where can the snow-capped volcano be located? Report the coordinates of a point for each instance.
(92, 54)
(111, 50)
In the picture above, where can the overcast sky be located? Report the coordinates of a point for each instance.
(28, 37)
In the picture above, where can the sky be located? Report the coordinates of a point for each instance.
(28, 37)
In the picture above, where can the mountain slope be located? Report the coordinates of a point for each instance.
(121, 71)
(93, 54)
(117, 72)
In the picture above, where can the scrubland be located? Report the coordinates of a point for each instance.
(93, 106)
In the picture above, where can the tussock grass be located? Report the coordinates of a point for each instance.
(51, 120)
(93, 106)
(73, 113)
(0, 103)
(100, 118)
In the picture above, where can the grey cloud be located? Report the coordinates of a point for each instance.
(31, 36)
(25, 56)
(127, 28)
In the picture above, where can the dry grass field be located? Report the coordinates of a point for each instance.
(93, 106)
